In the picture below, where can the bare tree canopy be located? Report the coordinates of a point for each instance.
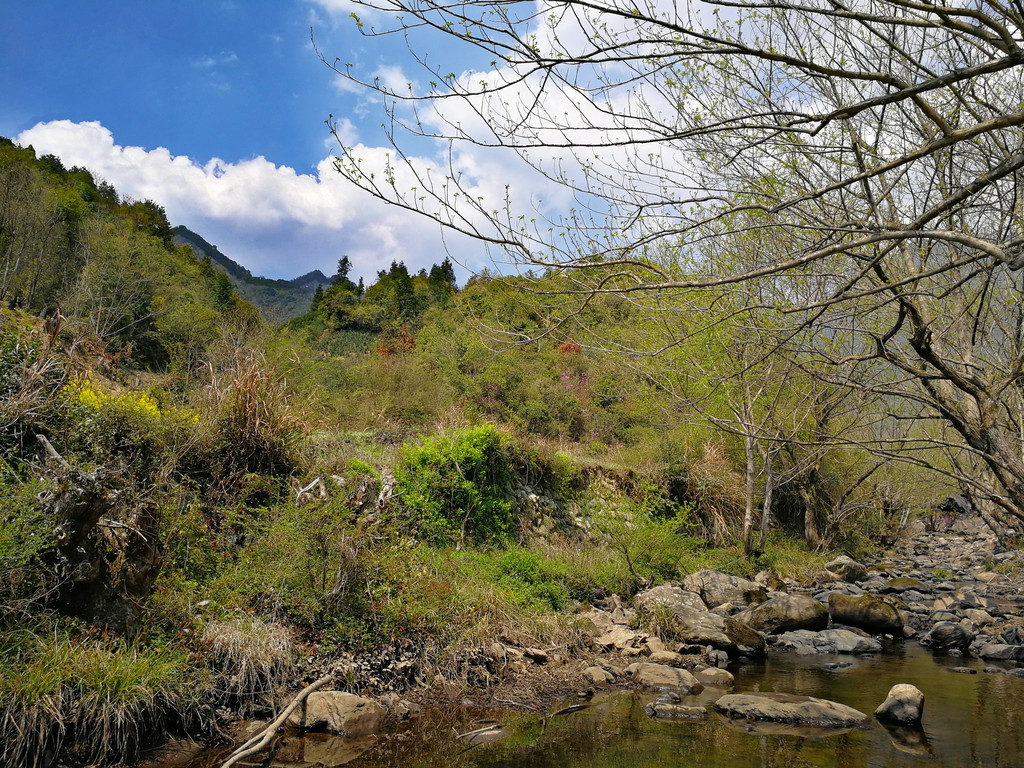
(860, 162)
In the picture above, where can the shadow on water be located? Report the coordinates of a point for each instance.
(969, 720)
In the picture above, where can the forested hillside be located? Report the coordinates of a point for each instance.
(197, 506)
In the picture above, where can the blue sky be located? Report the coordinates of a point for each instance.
(216, 111)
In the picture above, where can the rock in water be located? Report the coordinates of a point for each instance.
(337, 712)
(660, 676)
(793, 709)
(904, 705)
(946, 635)
(866, 612)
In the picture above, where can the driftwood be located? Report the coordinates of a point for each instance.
(261, 740)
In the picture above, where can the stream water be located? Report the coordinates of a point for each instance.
(969, 720)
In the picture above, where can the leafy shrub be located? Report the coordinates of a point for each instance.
(457, 486)
(27, 534)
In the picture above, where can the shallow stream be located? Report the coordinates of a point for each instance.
(969, 720)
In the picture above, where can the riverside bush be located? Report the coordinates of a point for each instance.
(458, 486)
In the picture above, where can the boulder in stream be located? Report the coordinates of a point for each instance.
(338, 712)
(792, 709)
(661, 676)
(904, 705)
(805, 642)
(945, 636)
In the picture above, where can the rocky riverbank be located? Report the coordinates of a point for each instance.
(950, 592)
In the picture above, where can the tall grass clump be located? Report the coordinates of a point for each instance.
(86, 701)
(252, 658)
(256, 428)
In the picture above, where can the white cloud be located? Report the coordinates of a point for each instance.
(273, 220)
(208, 62)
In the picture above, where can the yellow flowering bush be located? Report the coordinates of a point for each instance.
(137, 405)
(132, 417)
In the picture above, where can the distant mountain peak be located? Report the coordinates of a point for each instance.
(278, 300)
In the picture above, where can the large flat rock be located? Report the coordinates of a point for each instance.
(791, 709)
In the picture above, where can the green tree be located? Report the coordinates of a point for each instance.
(882, 140)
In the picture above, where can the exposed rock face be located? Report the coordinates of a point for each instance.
(904, 705)
(337, 712)
(716, 588)
(847, 569)
(789, 708)
(783, 613)
(660, 676)
(866, 612)
(946, 635)
(806, 642)
(670, 597)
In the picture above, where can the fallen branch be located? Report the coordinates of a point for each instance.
(261, 740)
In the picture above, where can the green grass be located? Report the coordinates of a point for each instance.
(89, 699)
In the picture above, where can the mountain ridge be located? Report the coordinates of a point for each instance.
(278, 300)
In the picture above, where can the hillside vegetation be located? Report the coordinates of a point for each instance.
(197, 507)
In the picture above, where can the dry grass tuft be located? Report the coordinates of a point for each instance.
(251, 658)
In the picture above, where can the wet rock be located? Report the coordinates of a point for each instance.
(337, 712)
(785, 613)
(716, 588)
(904, 705)
(793, 709)
(661, 676)
(668, 707)
(847, 569)
(999, 652)
(866, 612)
(714, 677)
(946, 635)
(835, 666)
(828, 641)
